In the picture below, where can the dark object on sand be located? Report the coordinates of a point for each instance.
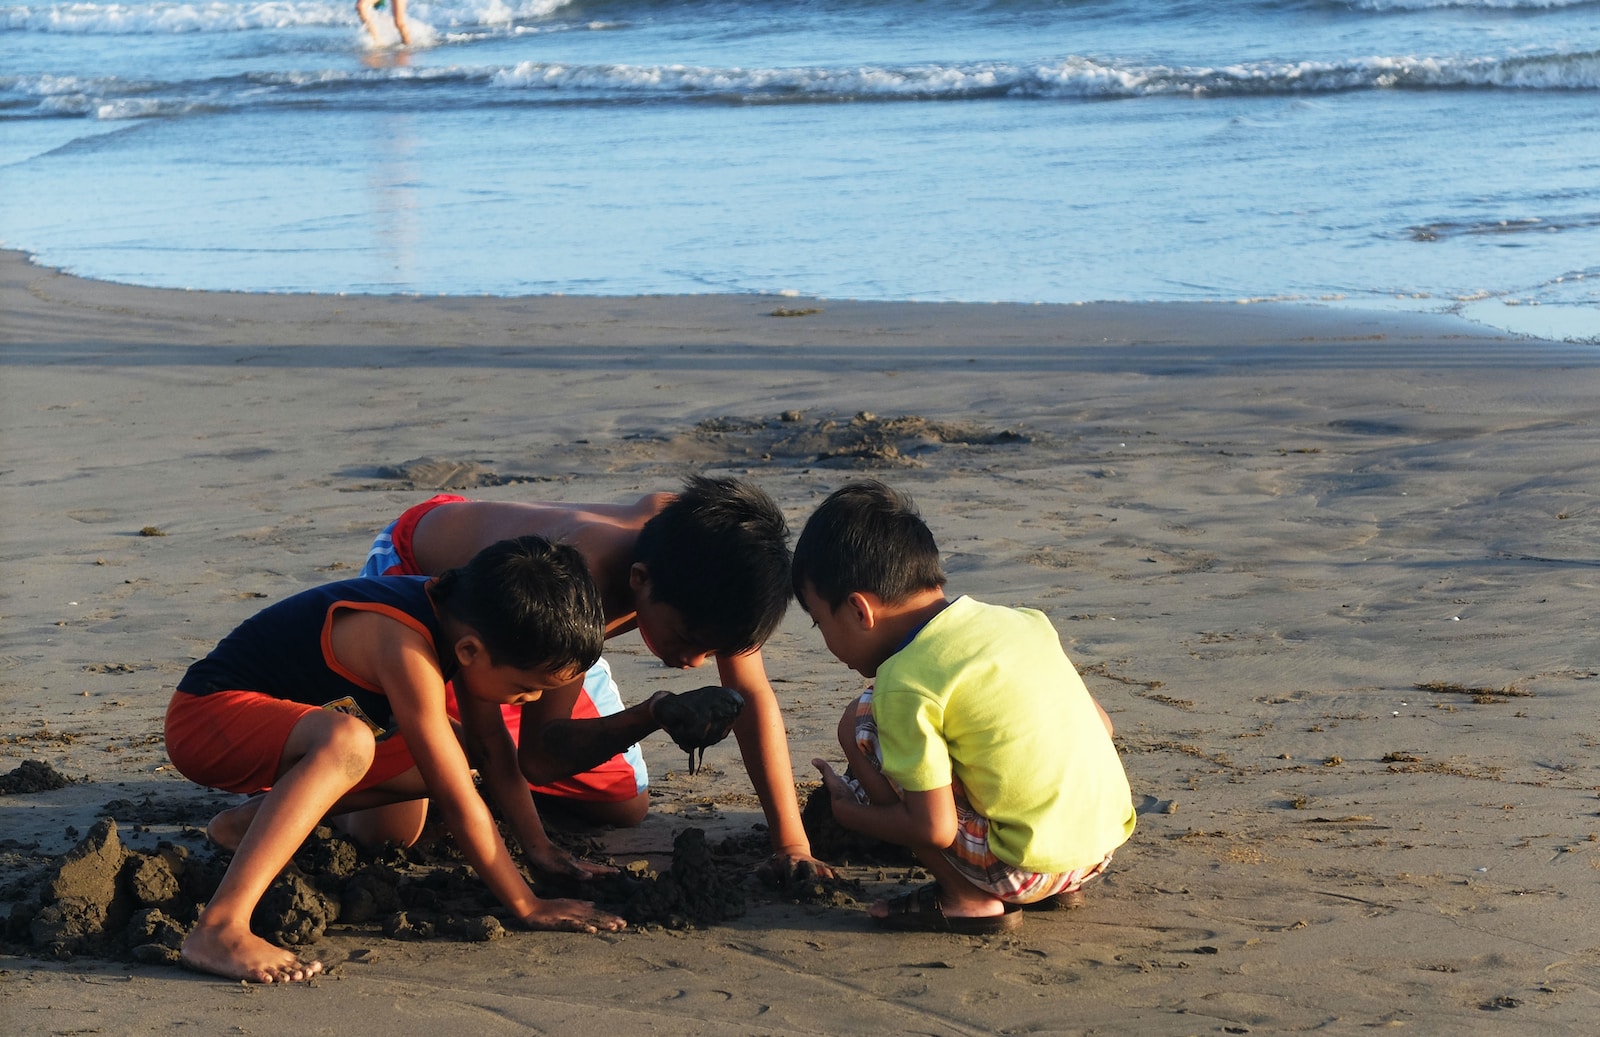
(32, 776)
(699, 718)
(831, 841)
(699, 890)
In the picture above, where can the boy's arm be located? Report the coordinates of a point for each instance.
(764, 746)
(926, 819)
(553, 745)
(490, 747)
(407, 670)
(1105, 718)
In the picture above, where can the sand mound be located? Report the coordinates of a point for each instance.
(832, 842)
(103, 899)
(32, 776)
(440, 474)
(864, 441)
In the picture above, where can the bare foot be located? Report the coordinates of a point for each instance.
(247, 957)
(227, 828)
(572, 916)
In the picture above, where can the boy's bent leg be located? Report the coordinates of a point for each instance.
(230, 740)
(618, 813)
(326, 755)
(398, 823)
(389, 804)
(858, 737)
(958, 897)
(364, 12)
(968, 873)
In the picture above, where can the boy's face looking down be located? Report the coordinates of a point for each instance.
(664, 629)
(847, 631)
(481, 679)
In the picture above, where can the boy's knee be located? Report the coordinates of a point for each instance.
(847, 726)
(339, 737)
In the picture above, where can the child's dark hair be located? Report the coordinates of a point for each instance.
(866, 537)
(531, 602)
(719, 554)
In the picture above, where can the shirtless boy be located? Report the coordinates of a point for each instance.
(699, 574)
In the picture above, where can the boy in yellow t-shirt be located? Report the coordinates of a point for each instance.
(978, 747)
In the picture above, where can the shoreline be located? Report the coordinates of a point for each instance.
(42, 304)
(1331, 574)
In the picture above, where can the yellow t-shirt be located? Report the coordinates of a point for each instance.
(985, 693)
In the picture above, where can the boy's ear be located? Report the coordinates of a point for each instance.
(863, 609)
(469, 649)
(638, 576)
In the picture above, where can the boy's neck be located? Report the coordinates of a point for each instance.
(899, 621)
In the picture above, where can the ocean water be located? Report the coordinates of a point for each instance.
(1425, 154)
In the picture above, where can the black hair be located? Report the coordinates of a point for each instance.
(866, 537)
(532, 604)
(719, 554)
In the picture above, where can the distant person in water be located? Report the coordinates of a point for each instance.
(364, 9)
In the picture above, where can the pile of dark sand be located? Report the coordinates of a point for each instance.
(836, 844)
(106, 899)
(704, 886)
(863, 441)
(32, 776)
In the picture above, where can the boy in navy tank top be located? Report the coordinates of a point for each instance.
(332, 704)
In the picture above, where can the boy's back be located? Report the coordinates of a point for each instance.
(984, 694)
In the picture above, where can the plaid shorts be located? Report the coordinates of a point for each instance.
(970, 853)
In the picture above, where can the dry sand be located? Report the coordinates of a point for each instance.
(1332, 573)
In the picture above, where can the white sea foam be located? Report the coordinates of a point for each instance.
(1073, 77)
(1468, 5)
(169, 17)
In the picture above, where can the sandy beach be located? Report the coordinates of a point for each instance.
(1332, 573)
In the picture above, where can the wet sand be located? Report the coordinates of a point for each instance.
(1333, 574)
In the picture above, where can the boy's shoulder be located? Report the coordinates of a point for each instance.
(965, 610)
(968, 627)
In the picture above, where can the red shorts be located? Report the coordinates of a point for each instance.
(233, 740)
(391, 553)
(617, 780)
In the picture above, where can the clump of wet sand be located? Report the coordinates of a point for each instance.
(831, 841)
(863, 441)
(32, 776)
(105, 899)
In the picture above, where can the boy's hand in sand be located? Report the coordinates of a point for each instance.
(572, 916)
(784, 867)
(551, 859)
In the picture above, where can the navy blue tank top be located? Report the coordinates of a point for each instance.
(284, 651)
